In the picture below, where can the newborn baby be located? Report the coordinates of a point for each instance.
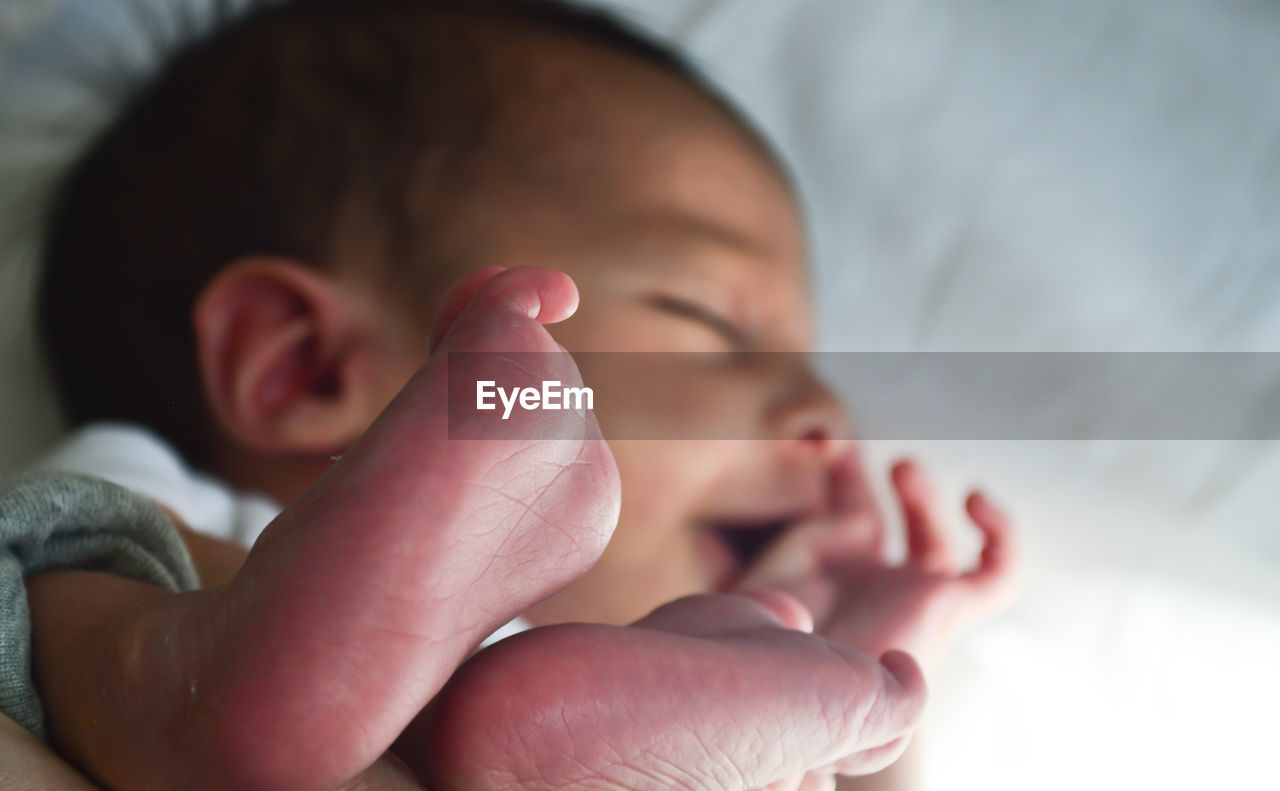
(388, 570)
(361, 158)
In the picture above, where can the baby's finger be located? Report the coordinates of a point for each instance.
(798, 561)
(853, 503)
(926, 539)
(850, 489)
(997, 565)
(793, 555)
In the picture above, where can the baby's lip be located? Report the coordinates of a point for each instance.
(766, 512)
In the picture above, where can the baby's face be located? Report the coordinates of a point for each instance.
(718, 448)
(681, 237)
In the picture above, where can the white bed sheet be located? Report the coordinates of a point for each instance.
(1025, 176)
(990, 175)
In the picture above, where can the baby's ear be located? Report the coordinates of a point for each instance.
(285, 358)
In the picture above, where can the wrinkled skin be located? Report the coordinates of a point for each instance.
(385, 573)
(393, 566)
(363, 597)
(710, 691)
(527, 714)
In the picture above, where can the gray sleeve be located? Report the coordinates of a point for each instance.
(51, 520)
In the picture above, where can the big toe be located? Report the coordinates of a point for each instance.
(432, 530)
(504, 309)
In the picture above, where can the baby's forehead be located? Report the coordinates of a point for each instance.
(754, 280)
(611, 165)
(633, 148)
(725, 245)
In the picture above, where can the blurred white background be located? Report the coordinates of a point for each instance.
(981, 175)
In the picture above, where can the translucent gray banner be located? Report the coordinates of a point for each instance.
(912, 396)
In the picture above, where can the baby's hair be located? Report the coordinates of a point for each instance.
(279, 134)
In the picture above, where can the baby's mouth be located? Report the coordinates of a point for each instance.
(734, 546)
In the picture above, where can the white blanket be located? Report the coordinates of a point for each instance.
(1053, 176)
(1043, 175)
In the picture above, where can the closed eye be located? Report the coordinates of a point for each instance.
(695, 312)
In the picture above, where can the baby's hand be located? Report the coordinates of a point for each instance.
(834, 564)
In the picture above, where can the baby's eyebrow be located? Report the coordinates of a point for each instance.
(681, 228)
(705, 231)
(682, 239)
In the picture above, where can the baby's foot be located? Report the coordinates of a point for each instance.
(359, 601)
(706, 692)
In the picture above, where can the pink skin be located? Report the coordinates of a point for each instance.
(365, 595)
(833, 563)
(710, 691)
(394, 565)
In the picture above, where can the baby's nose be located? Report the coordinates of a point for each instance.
(810, 419)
